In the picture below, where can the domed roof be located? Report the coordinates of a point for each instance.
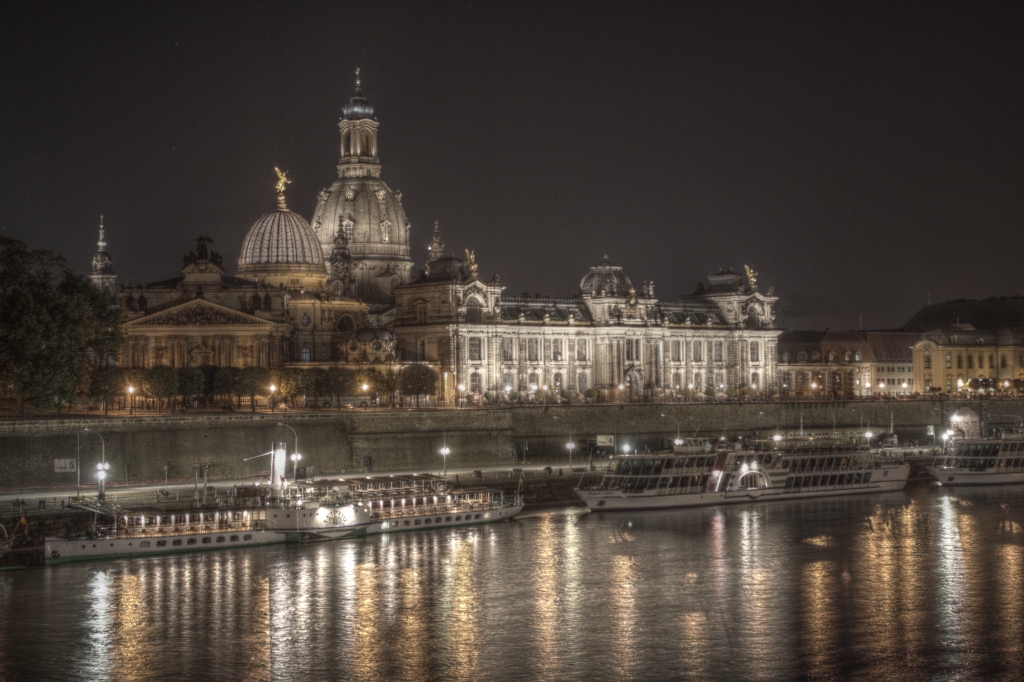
(368, 334)
(358, 107)
(606, 279)
(279, 242)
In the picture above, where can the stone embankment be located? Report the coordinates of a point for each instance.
(354, 441)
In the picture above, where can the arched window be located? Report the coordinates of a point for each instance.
(306, 355)
(346, 229)
(385, 230)
(755, 380)
(474, 311)
(991, 360)
(959, 361)
(421, 349)
(346, 324)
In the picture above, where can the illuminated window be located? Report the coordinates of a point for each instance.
(556, 350)
(474, 348)
(698, 351)
(928, 361)
(719, 352)
(949, 361)
(581, 350)
(675, 354)
(306, 355)
(475, 382)
(533, 350)
(507, 350)
(755, 351)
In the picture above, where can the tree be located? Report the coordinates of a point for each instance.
(318, 380)
(389, 379)
(418, 380)
(55, 325)
(339, 381)
(108, 383)
(254, 381)
(209, 382)
(226, 381)
(191, 382)
(161, 383)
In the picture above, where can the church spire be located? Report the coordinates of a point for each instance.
(103, 277)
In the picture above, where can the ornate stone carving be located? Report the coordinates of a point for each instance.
(381, 194)
(199, 315)
(350, 194)
(323, 196)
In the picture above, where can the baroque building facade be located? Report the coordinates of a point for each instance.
(846, 364)
(623, 343)
(276, 311)
(359, 221)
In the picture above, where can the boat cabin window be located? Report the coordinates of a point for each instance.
(220, 539)
(144, 543)
(193, 541)
(234, 538)
(207, 541)
(161, 543)
(176, 542)
(247, 537)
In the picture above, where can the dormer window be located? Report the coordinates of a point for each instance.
(385, 230)
(831, 357)
(815, 356)
(857, 357)
(785, 357)
(346, 230)
(847, 356)
(801, 356)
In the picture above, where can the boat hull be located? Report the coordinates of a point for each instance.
(956, 477)
(64, 550)
(891, 479)
(444, 520)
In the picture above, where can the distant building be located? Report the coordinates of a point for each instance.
(846, 364)
(965, 340)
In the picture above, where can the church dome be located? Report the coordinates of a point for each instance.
(605, 279)
(281, 245)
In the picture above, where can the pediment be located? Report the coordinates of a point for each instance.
(200, 313)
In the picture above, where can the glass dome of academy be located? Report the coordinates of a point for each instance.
(340, 289)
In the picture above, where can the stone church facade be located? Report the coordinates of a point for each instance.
(341, 290)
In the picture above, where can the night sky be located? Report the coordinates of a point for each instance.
(857, 156)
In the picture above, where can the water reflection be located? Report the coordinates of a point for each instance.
(872, 587)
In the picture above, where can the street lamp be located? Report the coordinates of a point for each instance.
(131, 398)
(295, 465)
(272, 389)
(679, 440)
(296, 441)
(102, 467)
(445, 451)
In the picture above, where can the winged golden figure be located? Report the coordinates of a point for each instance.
(282, 180)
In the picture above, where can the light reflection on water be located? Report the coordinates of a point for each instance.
(928, 584)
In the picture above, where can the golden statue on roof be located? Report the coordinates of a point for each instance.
(751, 277)
(471, 265)
(282, 180)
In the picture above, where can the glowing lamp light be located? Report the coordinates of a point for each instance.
(678, 441)
(945, 436)
(621, 387)
(776, 438)
(689, 386)
(131, 389)
(744, 468)
(869, 435)
(366, 387)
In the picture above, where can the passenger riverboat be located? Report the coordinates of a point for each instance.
(153, 532)
(983, 461)
(420, 501)
(729, 476)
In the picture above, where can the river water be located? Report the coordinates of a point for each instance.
(927, 584)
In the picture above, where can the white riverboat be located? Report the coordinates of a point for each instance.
(681, 479)
(983, 461)
(150, 533)
(421, 501)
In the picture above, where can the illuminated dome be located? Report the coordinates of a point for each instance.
(281, 248)
(605, 279)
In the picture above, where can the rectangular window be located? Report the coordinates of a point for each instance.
(556, 350)
(755, 351)
(533, 350)
(474, 348)
(719, 355)
(581, 350)
(476, 383)
(629, 349)
(698, 351)
(507, 352)
(949, 361)
(676, 355)
(421, 314)
(581, 382)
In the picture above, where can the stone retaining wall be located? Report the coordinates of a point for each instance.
(395, 440)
